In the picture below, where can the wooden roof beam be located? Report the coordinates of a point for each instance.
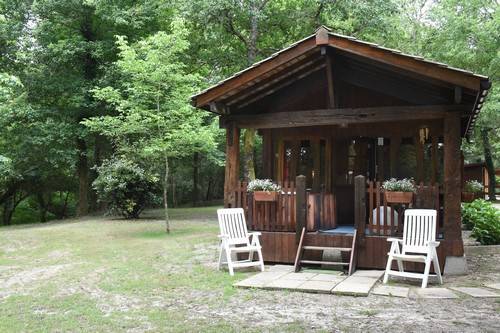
(281, 86)
(401, 61)
(340, 116)
(270, 82)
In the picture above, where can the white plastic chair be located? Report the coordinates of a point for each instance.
(418, 245)
(235, 239)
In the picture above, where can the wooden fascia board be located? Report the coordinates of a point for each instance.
(404, 62)
(340, 116)
(254, 72)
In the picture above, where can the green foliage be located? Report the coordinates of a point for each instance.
(473, 186)
(399, 185)
(125, 187)
(483, 219)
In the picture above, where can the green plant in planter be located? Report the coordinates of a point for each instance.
(473, 186)
(266, 185)
(483, 219)
(401, 185)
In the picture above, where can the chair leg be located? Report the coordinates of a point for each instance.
(261, 260)
(400, 265)
(229, 261)
(387, 269)
(437, 269)
(219, 266)
(426, 272)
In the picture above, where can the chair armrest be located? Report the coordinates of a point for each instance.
(254, 233)
(222, 236)
(391, 239)
(434, 243)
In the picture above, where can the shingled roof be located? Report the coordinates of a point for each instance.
(475, 83)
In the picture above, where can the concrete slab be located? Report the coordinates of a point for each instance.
(284, 284)
(394, 291)
(369, 273)
(280, 268)
(317, 286)
(355, 286)
(268, 276)
(251, 283)
(435, 293)
(455, 266)
(322, 271)
(298, 276)
(493, 285)
(328, 278)
(476, 292)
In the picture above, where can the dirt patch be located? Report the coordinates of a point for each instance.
(12, 282)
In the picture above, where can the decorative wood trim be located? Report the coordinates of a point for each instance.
(341, 116)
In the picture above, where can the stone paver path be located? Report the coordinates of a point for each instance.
(361, 283)
(476, 292)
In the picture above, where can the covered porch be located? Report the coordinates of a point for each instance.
(337, 117)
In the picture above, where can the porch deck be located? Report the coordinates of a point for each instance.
(373, 217)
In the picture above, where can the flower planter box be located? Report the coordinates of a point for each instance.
(468, 196)
(398, 197)
(265, 196)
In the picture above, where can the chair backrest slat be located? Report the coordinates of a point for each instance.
(419, 229)
(232, 224)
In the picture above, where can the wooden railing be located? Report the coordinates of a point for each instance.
(386, 219)
(281, 214)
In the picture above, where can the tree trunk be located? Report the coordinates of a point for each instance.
(165, 195)
(196, 172)
(42, 206)
(83, 178)
(248, 153)
(488, 158)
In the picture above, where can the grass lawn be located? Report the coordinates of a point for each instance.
(100, 274)
(103, 274)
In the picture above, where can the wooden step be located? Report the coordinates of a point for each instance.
(324, 262)
(322, 248)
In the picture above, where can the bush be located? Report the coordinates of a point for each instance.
(125, 187)
(484, 220)
(473, 186)
(403, 185)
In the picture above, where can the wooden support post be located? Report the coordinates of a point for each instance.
(419, 154)
(380, 162)
(232, 169)
(394, 152)
(267, 153)
(360, 205)
(435, 159)
(280, 160)
(294, 161)
(316, 152)
(328, 165)
(452, 185)
(300, 205)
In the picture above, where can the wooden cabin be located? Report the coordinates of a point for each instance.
(337, 117)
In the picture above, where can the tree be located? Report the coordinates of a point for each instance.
(154, 121)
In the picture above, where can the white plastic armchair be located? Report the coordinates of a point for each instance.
(235, 238)
(418, 245)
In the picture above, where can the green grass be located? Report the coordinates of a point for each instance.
(108, 275)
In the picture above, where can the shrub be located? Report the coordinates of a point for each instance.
(263, 185)
(484, 220)
(473, 186)
(125, 187)
(402, 185)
